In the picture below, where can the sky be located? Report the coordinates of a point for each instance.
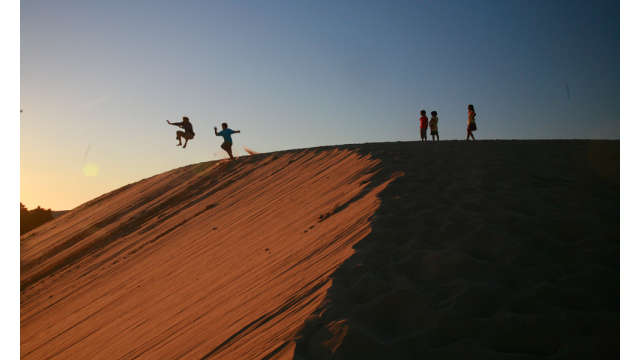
(99, 79)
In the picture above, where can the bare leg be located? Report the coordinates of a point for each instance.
(185, 143)
(179, 137)
(438, 136)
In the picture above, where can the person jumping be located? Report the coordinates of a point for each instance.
(226, 135)
(187, 134)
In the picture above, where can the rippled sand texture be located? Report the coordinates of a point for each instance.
(219, 259)
(407, 250)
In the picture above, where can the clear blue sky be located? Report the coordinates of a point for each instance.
(99, 79)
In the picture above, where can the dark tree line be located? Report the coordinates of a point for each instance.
(31, 219)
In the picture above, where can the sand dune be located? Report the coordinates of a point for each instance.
(490, 250)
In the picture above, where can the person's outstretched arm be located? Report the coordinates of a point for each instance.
(236, 131)
(176, 123)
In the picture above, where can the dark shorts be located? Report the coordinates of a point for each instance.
(185, 135)
(434, 132)
(472, 127)
(226, 146)
(423, 133)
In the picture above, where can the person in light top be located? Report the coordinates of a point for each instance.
(433, 124)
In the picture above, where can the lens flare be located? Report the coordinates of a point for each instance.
(90, 169)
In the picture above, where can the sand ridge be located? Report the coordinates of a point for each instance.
(489, 250)
(484, 250)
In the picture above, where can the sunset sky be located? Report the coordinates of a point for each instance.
(99, 79)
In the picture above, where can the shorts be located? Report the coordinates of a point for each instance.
(423, 133)
(185, 135)
(472, 127)
(226, 146)
(434, 132)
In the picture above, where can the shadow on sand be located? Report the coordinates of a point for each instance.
(492, 249)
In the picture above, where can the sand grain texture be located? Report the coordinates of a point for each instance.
(220, 260)
(496, 250)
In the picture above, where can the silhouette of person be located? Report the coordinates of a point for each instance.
(187, 134)
(424, 123)
(471, 122)
(433, 124)
(226, 135)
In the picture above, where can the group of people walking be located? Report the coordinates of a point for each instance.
(432, 124)
(189, 134)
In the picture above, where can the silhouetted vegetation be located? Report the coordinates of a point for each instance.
(31, 219)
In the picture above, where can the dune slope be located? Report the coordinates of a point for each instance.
(487, 250)
(219, 259)
(492, 249)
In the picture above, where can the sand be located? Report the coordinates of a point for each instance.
(492, 249)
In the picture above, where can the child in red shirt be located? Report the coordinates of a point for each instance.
(424, 122)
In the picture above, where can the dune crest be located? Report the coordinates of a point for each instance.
(405, 250)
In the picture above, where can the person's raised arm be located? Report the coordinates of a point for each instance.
(215, 130)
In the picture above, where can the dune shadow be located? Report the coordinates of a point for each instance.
(512, 255)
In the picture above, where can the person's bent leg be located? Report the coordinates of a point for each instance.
(179, 135)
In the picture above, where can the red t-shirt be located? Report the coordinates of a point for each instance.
(423, 122)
